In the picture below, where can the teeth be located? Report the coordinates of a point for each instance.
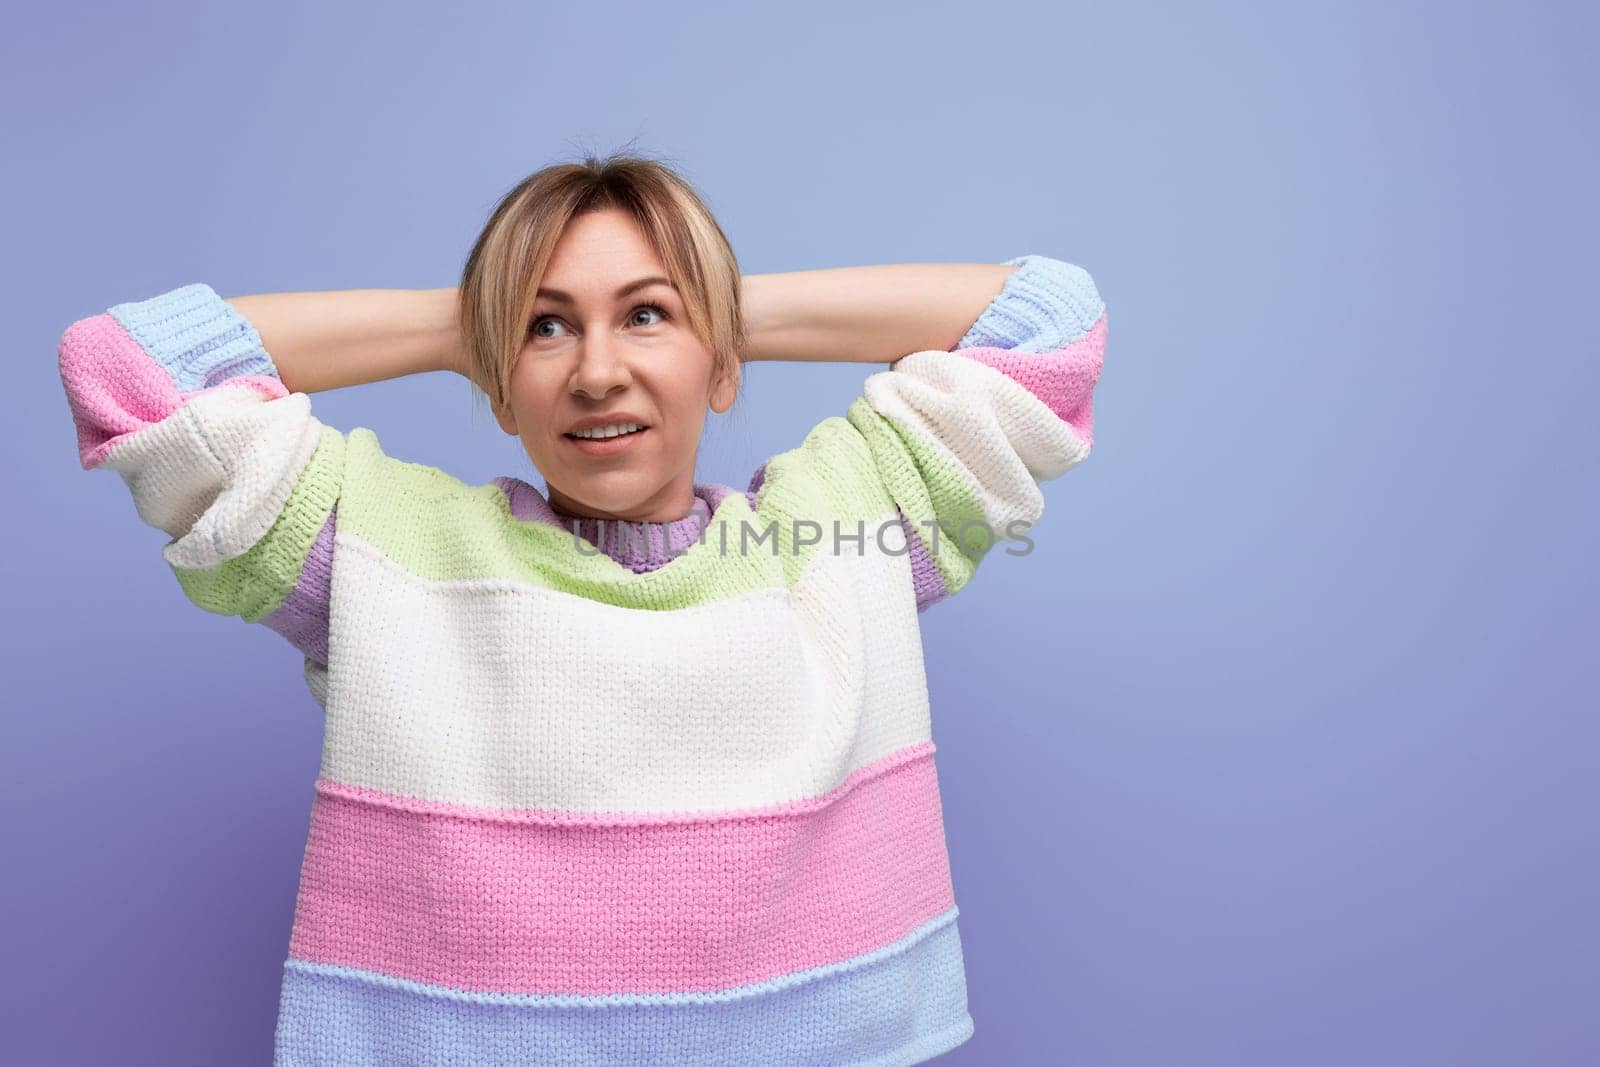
(608, 431)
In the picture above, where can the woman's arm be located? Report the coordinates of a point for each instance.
(327, 340)
(960, 434)
(324, 340)
(330, 339)
(866, 314)
(177, 395)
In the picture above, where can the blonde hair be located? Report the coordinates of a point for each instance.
(501, 278)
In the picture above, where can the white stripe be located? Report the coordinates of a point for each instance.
(218, 471)
(983, 423)
(492, 692)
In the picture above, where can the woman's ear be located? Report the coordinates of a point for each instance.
(725, 387)
(505, 417)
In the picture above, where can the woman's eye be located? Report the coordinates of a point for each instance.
(649, 307)
(534, 330)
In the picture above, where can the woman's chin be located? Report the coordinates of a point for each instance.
(605, 496)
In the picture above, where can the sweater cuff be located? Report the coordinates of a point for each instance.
(196, 337)
(1045, 304)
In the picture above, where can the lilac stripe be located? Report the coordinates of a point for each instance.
(712, 494)
(925, 575)
(639, 546)
(757, 479)
(303, 615)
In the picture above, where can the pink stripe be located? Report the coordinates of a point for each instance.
(115, 388)
(512, 903)
(1064, 379)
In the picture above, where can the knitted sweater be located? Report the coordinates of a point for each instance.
(670, 802)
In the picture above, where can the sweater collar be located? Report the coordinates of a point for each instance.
(638, 545)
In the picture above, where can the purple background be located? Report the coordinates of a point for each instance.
(1280, 748)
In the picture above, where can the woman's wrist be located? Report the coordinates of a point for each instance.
(757, 311)
(444, 313)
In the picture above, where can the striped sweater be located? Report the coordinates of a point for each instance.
(589, 795)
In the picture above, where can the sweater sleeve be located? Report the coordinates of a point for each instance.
(962, 439)
(178, 396)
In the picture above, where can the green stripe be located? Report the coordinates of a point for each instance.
(929, 488)
(256, 584)
(435, 526)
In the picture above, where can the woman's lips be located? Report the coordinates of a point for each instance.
(606, 446)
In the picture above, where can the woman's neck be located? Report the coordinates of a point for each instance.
(671, 503)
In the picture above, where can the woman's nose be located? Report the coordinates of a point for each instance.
(602, 366)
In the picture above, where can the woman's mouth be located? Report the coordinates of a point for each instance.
(612, 442)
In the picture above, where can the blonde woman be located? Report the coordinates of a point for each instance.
(635, 769)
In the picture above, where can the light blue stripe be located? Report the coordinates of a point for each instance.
(901, 1004)
(1044, 305)
(196, 336)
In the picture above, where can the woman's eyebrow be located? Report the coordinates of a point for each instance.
(560, 297)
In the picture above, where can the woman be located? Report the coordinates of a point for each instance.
(637, 769)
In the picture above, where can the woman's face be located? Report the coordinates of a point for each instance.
(604, 349)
